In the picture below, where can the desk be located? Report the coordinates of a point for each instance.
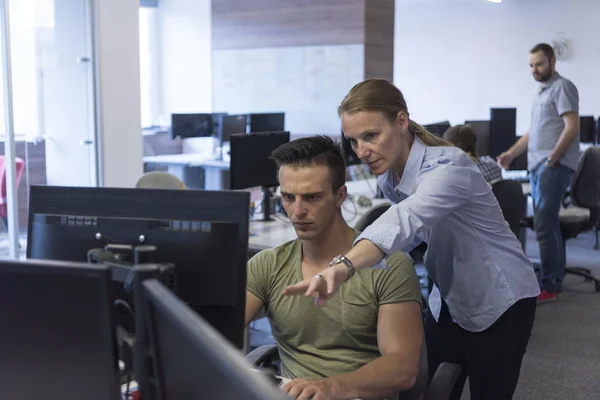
(187, 168)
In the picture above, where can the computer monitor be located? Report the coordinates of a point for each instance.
(482, 129)
(519, 163)
(587, 129)
(193, 360)
(438, 128)
(203, 233)
(250, 163)
(57, 332)
(349, 154)
(232, 124)
(267, 122)
(191, 125)
(503, 130)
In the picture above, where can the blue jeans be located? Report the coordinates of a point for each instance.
(548, 188)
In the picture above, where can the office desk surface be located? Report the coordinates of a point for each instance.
(188, 160)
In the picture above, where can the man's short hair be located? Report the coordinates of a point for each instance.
(311, 151)
(462, 136)
(544, 48)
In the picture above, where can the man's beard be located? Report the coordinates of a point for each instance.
(544, 77)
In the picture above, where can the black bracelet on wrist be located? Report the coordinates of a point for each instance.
(339, 259)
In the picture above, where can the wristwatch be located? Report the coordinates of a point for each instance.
(341, 259)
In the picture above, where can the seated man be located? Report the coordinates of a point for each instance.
(367, 341)
(465, 138)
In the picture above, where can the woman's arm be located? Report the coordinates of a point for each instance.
(442, 190)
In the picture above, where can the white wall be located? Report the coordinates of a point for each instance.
(119, 92)
(185, 54)
(306, 82)
(454, 59)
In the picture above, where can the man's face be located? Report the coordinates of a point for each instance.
(542, 69)
(309, 200)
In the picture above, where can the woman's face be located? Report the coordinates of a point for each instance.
(378, 143)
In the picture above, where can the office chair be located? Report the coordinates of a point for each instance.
(584, 212)
(438, 388)
(20, 164)
(159, 180)
(370, 216)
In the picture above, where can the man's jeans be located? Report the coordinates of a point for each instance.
(548, 188)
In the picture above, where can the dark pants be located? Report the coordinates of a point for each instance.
(491, 359)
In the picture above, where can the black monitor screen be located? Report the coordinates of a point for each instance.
(503, 130)
(482, 130)
(57, 332)
(519, 163)
(193, 360)
(230, 125)
(250, 163)
(191, 125)
(587, 129)
(203, 233)
(349, 154)
(267, 122)
(438, 128)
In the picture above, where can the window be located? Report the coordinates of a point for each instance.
(31, 27)
(148, 84)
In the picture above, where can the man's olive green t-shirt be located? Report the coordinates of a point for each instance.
(318, 342)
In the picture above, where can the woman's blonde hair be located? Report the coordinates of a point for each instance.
(381, 95)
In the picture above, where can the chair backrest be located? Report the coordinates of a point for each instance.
(512, 201)
(370, 216)
(159, 180)
(585, 186)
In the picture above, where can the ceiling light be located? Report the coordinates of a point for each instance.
(495, 1)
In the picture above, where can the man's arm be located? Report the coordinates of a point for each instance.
(400, 339)
(569, 133)
(253, 306)
(520, 146)
(257, 283)
(515, 151)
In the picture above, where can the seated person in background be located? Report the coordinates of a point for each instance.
(367, 342)
(465, 138)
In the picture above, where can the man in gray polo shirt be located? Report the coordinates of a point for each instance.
(553, 154)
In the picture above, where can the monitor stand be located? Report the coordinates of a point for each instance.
(266, 205)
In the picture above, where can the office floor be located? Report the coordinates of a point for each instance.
(563, 353)
(562, 358)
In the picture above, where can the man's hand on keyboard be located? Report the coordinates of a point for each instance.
(303, 389)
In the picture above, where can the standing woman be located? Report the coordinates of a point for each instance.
(482, 307)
